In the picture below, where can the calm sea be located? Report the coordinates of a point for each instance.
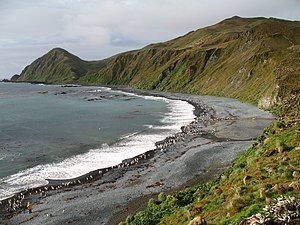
(50, 131)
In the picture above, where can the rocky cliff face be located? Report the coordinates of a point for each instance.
(255, 60)
(15, 77)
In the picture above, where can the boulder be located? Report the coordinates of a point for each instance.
(278, 188)
(198, 220)
(262, 192)
(246, 178)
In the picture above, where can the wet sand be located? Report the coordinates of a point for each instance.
(222, 129)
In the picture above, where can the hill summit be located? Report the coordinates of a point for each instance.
(58, 66)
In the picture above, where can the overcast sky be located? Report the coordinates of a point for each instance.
(95, 29)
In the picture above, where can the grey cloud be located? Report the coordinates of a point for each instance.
(95, 29)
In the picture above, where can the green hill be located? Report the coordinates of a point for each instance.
(256, 60)
(59, 66)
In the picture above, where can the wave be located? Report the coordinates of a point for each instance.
(180, 113)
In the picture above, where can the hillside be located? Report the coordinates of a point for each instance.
(59, 66)
(255, 60)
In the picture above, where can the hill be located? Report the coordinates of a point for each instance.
(253, 59)
(59, 66)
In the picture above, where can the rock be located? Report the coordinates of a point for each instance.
(280, 149)
(223, 177)
(296, 175)
(268, 201)
(15, 77)
(278, 188)
(295, 185)
(270, 152)
(197, 221)
(247, 177)
(262, 192)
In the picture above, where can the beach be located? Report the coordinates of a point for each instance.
(222, 129)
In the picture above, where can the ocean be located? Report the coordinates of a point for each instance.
(61, 132)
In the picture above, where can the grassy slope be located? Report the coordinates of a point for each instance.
(248, 59)
(59, 66)
(239, 58)
(254, 60)
(273, 162)
(226, 199)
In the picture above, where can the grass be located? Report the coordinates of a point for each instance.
(269, 166)
(254, 60)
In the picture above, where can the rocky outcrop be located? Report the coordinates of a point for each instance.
(286, 210)
(15, 77)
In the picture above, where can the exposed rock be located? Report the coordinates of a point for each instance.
(286, 210)
(262, 192)
(296, 175)
(295, 185)
(197, 221)
(15, 77)
(268, 201)
(246, 178)
(278, 188)
(268, 101)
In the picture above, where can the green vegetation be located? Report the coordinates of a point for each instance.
(58, 66)
(263, 172)
(254, 60)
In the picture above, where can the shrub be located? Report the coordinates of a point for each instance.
(162, 197)
(129, 219)
(288, 174)
(280, 124)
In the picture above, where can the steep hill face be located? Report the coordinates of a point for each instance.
(249, 59)
(255, 60)
(59, 66)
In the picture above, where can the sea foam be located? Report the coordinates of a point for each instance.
(180, 113)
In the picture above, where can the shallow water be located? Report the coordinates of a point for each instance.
(49, 131)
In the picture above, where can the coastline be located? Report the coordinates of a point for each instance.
(200, 136)
(99, 171)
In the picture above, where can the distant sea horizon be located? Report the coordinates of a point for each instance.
(59, 132)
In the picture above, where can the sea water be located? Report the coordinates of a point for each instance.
(59, 132)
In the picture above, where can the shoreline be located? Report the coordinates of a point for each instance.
(94, 174)
(196, 130)
(97, 174)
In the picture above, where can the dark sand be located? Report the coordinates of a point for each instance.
(224, 128)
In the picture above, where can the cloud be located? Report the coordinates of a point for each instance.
(95, 29)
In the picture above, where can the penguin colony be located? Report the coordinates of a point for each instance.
(16, 202)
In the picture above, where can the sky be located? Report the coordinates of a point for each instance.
(96, 29)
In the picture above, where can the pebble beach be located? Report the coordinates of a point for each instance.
(222, 129)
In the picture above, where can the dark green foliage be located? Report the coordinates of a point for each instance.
(280, 124)
(162, 197)
(185, 197)
(288, 174)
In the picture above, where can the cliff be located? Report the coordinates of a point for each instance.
(255, 60)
